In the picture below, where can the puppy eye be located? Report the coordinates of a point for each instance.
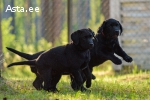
(90, 36)
(85, 37)
(116, 25)
(111, 25)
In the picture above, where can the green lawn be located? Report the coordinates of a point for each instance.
(107, 86)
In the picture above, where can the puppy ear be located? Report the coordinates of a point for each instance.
(100, 29)
(75, 37)
(91, 32)
(120, 28)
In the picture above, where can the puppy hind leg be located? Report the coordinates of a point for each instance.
(46, 76)
(38, 82)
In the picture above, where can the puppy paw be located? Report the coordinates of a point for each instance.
(128, 59)
(83, 88)
(117, 61)
(93, 77)
(37, 85)
(88, 84)
(74, 85)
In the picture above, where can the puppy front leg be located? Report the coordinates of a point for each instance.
(88, 75)
(78, 78)
(114, 59)
(119, 51)
(92, 76)
(73, 83)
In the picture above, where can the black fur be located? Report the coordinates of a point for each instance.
(106, 46)
(70, 59)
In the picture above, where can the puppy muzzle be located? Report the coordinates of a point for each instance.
(117, 32)
(91, 45)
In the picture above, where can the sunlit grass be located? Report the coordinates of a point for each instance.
(107, 85)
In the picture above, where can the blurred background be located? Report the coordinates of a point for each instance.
(31, 32)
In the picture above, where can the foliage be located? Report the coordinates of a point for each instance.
(11, 57)
(7, 38)
(1, 5)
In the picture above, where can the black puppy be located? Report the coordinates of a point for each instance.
(38, 81)
(106, 46)
(68, 59)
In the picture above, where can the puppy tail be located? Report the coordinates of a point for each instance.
(25, 55)
(31, 62)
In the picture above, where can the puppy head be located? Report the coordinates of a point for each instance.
(110, 28)
(83, 38)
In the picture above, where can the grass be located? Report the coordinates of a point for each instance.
(107, 86)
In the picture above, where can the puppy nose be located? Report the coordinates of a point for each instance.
(117, 32)
(91, 45)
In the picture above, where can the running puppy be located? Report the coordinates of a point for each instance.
(106, 45)
(69, 59)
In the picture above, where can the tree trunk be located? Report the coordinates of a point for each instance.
(13, 18)
(69, 19)
(9, 13)
(1, 57)
(45, 6)
(105, 8)
(28, 36)
(51, 19)
(56, 19)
